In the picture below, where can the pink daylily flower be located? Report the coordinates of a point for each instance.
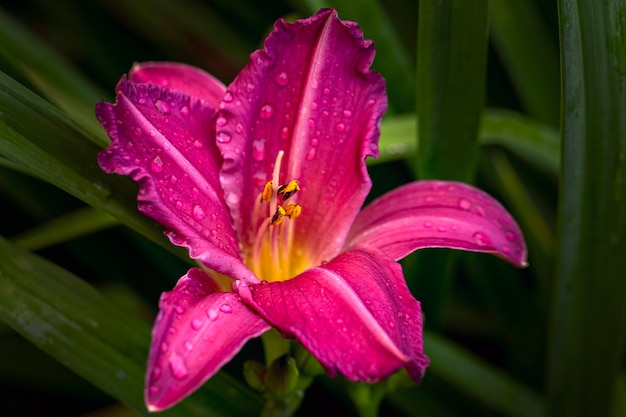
(215, 168)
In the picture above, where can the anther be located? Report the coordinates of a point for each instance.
(292, 210)
(267, 192)
(279, 216)
(288, 190)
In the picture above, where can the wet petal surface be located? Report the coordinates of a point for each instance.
(439, 214)
(354, 314)
(197, 331)
(310, 93)
(163, 140)
(184, 78)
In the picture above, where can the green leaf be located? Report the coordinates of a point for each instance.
(452, 61)
(536, 143)
(39, 140)
(482, 381)
(57, 79)
(530, 56)
(588, 319)
(71, 321)
(70, 226)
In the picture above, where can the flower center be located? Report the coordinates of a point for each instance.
(273, 255)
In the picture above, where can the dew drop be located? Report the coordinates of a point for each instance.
(196, 324)
(198, 212)
(184, 111)
(310, 155)
(428, 225)
(211, 314)
(233, 198)
(311, 122)
(164, 347)
(162, 107)
(464, 204)
(282, 79)
(266, 111)
(156, 373)
(157, 164)
(226, 308)
(347, 113)
(250, 87)
(314, 142)
(314, 105)
(284, 133)
(221, 121)
(441, 229)
(223, 137)
(180, 309)
(137, 131)
(228, 97)
(178, 367)
(481, 239)
(188, 346)
(326, 90)
(510, 236)
(258, 150)
(179, 205)
(340, 127)
(153, 390)
(480, 210)
(239, 128)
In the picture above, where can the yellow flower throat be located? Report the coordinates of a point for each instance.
(273, 255)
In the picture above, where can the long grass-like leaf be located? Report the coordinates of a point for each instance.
(588, 331)
(38, 139)
(71, 321)
(57, 79)
(530, 55)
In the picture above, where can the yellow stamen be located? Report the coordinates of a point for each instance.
(288, 190)
(279, 216)
(293, 210)
(267, 192)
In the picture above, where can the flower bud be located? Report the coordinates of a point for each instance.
(254, 374)
(282, 377)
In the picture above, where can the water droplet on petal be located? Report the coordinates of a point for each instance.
(310, 155)
(313, 105)
(284, 133)
(164, 347)
(481, 239)
(184, 111)
(258, 150)
(480, 210)
(239, 128)
(266, 111)
(162, 107)
(156, 373)
(223, 137)
(510, 236)
(282, 78)
(188, 346)
(314, 142)
(178, 367)
(211, 314)
(347, 113)
(225, 308)
(340, 127)
(153, 390)
(157, 164)
(198, 212)
(228, 97)
(196, 324)
(441, 229)
(464, 204)
(233, 198)
(428, 225)
(221, 121)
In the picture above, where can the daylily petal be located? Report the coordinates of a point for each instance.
(187, 79)
(162, 140)
(196, 332)
(354, 314)
(310, 93)
(439, 214)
